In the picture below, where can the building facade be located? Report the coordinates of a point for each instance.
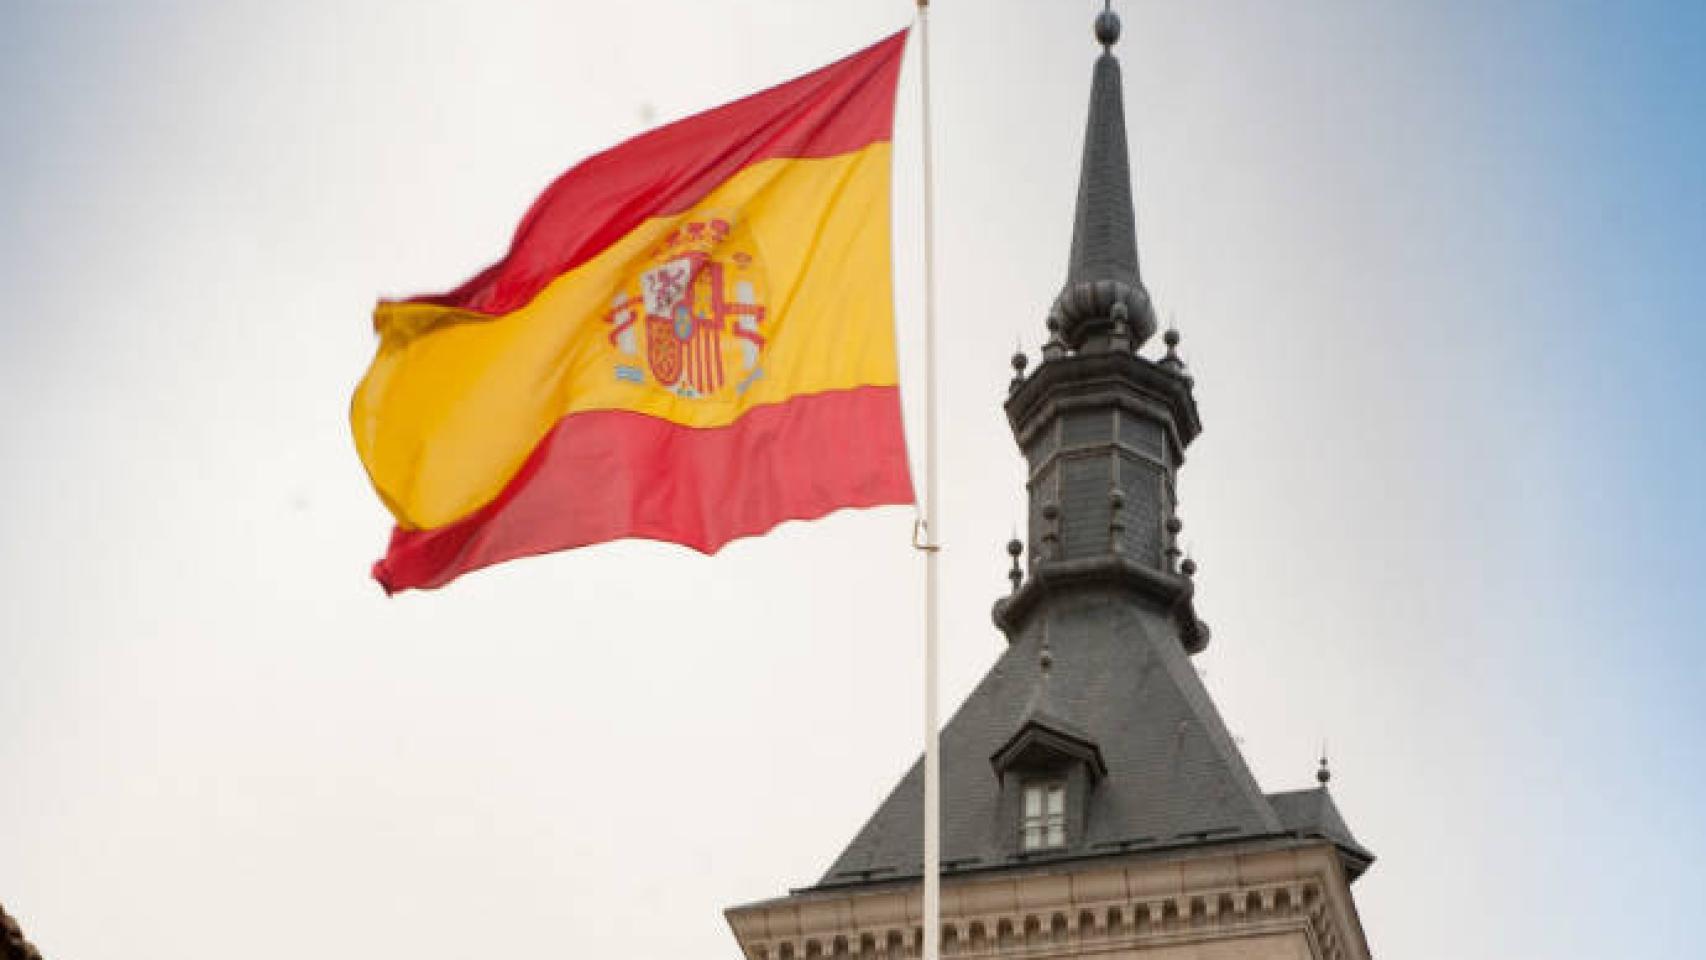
(1094, 803)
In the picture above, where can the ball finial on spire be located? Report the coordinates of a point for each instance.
(1054, 348)
(1171, 361)
(1107, 27)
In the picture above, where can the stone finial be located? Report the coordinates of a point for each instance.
(1042, 699)
(1174, 525)
(1322, 774)
(1051, 531)
(1116, 520)
(1017, 575)
(1120, 342)
(1020, 362)
(1172, 360)
(1107, 26)
(1054, 348)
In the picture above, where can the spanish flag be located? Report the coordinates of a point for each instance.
(691, 339)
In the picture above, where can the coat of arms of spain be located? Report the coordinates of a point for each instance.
(697, 309)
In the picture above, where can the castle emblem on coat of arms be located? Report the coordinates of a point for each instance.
(692, 322)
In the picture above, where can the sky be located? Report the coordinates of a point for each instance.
(1438, 269)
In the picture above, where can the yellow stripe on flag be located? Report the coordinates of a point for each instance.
(464, 398)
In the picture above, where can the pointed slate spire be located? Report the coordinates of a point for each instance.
(1103, 269)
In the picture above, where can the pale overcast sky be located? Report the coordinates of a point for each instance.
(1438, 269)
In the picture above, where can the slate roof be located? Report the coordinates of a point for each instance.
(1312, 813)
(1104, 227)
(1120, 676)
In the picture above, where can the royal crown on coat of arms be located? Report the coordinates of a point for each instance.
(698, 309)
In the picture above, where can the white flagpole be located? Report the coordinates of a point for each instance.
(932, 920)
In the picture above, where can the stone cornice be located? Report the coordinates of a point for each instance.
(1049, 579)
(1093, 908)
(1110, 378)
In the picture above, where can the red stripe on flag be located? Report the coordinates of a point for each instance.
(609, 474)
(840, 108)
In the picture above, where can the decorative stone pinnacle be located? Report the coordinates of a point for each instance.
(1172, 360)
(1323, 774)
(1121, 340)
(1054, 348)
(1172, 551)
(1014, 549)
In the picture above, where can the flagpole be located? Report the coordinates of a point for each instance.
(932, 919)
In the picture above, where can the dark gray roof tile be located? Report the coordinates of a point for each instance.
(1120, 677)
(1312, 813)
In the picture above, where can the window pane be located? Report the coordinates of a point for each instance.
(1042, 823)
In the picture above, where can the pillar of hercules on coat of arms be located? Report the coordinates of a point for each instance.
(691, 322)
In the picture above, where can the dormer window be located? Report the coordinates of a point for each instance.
(1047, 772)
(1044, 821)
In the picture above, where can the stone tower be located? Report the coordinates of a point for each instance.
(1093, 801)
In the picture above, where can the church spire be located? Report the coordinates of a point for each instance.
(1104, 428)
(1103, 270)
